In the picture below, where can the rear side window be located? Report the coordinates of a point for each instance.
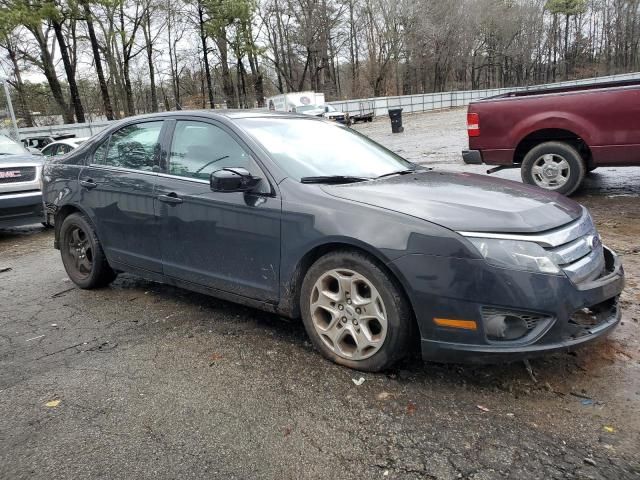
(134, 146)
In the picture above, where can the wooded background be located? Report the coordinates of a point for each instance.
(87, 59)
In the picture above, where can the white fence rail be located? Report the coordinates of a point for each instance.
(77, 129)
(379, 106)
(460, 98)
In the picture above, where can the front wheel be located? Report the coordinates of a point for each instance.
(82, 254)
(354, 314)
(555, 166)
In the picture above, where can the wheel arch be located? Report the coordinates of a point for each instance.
(62, 213)
(290, 298)
(543, 135)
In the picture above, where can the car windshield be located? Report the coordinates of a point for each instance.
(311, 148)
(10, 147)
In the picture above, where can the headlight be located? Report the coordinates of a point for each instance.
(515, 254)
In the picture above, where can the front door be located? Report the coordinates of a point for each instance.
(118, 189)
(227, 241)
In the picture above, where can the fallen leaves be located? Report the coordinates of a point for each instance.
(411, 407)
(214, 357)
(483, 408)
(52, 403)
(384, 396)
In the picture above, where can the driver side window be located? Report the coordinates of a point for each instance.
(200, 148)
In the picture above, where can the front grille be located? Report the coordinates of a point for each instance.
(17, 174)
(578, 250)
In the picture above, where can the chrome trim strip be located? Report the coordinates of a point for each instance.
(37, 193)
(145, 172)
(586, 269)
(552, 238)
(571, 251)
(186, 179)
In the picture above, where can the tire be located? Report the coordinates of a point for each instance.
(369, 328)
(555, 166)
(82, 254)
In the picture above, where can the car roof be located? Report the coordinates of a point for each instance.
(226, 113)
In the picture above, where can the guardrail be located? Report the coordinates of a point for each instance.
(378, 105)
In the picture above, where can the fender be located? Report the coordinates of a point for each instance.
(553, 120)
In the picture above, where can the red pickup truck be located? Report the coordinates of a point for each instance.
(556, 135)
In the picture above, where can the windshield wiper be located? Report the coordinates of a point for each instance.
(333, 179)
(401, 172)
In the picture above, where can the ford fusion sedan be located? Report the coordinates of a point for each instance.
(311, 220)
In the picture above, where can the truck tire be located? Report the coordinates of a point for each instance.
(555, 166)
(354, 313)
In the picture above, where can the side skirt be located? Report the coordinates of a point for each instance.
(195, 287)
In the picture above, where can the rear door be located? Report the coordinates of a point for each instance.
(118, 189)
(229, 241)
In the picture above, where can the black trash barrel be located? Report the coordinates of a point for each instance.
(395, 114)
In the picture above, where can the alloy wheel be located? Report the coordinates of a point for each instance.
(348, 314)
(80, 251)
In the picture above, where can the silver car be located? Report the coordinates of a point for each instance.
(20, 185)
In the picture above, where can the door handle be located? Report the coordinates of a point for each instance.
(170, 198)
(88, 184)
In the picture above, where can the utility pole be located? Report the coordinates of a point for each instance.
(16, 133)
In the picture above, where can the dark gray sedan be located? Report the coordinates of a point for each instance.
(310, 219)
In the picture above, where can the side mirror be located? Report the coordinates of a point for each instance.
(326, 109)
(232, 179)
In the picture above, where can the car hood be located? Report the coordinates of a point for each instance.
(465, 201)
(25, 160)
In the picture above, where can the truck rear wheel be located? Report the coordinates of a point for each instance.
(555, 166)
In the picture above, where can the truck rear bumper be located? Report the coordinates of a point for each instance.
(21, 208)
(472, 157)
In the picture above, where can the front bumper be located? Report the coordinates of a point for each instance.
(459, 288)
(21, 208)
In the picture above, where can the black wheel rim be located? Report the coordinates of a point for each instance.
(80, 252)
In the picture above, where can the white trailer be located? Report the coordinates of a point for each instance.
(306, 103)
(288, 102)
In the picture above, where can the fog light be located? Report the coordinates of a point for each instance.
(505, 327)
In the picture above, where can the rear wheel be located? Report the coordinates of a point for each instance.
(354, 313)
(82, 254)
(554, 166)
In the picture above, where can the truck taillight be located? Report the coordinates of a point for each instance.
(473, 124)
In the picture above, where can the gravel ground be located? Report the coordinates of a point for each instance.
(157, 382)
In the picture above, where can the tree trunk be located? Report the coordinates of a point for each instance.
(71, 77)
(205, 55)
(227, 83)
(104, 89)
(19, 86)
(49, 71)
(146, 28)
(126, 51)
